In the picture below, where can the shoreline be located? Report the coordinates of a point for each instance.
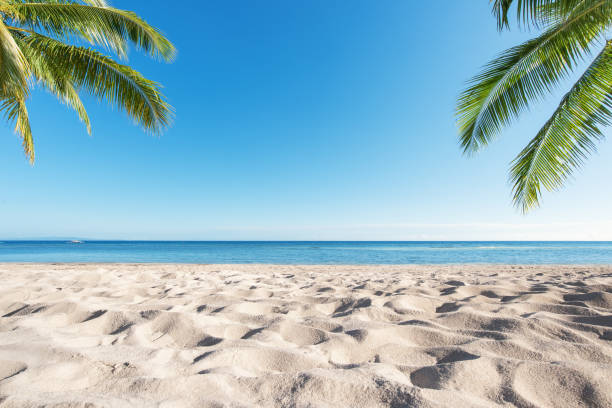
(317, 265)
(187, 335)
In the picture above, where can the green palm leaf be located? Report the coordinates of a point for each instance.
(526, 10)
(532, 12)
(93, 21)
(568, 136)
(108, 80)
(53, 78)
(525, 73)
(33, 52)
(15, 110)
(14, 67)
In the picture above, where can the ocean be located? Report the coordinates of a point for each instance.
(326, 252)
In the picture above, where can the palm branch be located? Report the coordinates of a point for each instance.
(568, 136)
(509, 84)
(35, 49)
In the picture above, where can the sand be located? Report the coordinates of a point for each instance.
(122, 335)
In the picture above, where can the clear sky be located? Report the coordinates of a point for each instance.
(305, 120)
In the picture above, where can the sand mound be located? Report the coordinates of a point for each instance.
(551, 385)
(305, 336)
(302, 335)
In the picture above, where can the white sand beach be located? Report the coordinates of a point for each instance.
(122, 335)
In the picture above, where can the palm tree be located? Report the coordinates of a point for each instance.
(34, 50)
(572, 32)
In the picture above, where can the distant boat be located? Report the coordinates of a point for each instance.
(76, 241)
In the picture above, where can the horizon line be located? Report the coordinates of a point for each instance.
(82, 240)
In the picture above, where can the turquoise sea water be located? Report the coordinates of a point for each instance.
(327, 252)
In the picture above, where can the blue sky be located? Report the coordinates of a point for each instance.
(295, 120)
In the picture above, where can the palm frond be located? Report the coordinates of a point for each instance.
(15, 110)
(93, 21)
(99, 3)
(559, 10)
(101, 76)
(14, 67)
(52, 78)
(70, 96)
(568, 136)
(526, 10)
(532, 12)
(525, 73)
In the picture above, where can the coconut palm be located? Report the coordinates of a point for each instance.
(36, 49)
(571, 32)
